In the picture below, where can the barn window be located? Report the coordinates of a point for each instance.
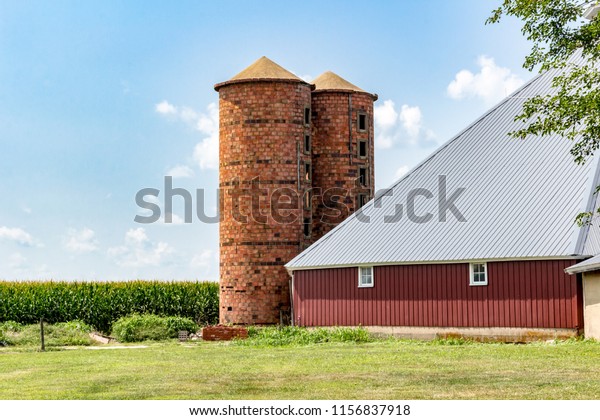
(306, 115)
(478, 274)
(365, 277)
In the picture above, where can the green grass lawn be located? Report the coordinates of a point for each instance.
(378, 370)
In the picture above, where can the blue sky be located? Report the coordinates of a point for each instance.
(101, 99)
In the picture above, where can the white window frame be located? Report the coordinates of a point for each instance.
(360, 276)
(472, 281)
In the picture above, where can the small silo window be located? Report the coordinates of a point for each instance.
(362, 149)
(307, 171)
(362, 177)
(307, 143)
(306, 227)
(478, 274)
(365, 277)
(306, 115)
(362, 200)
(362, 122)
(308, 200)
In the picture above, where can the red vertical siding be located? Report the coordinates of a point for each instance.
(533, 294)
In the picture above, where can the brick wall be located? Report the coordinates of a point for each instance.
(265, 174)
(223, 333)
(336, 138)
(261, 130)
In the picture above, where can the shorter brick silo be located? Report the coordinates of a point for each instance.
(342, 151)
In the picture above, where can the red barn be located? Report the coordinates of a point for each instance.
(474, 241)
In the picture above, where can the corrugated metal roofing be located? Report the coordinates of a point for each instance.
(591, 244)
(588, 265)
(520, 201)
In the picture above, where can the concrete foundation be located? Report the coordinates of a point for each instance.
(511, 335)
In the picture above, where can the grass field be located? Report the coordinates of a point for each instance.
(378, 370)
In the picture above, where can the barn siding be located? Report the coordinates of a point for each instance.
(520, 294)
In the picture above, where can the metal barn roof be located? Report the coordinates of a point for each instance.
(593, 264)
(520, 201)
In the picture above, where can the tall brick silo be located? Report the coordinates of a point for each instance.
(264, 118)
(342, 150)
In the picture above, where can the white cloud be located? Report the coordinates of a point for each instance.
(204, 259)
(206, 152)
(18, 235)
(188, 115)
(181, 171)
(492, 83)
(139, 251)
(403, 127)
(401, 171)
(81, 241)
(410, 116)
(386, 119)
(205, 263)
(136, 236)
(26, 209)
(165, 108)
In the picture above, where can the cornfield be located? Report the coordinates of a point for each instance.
(99, 304)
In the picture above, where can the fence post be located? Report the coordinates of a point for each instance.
(42, 334)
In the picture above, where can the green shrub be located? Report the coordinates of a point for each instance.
(4, 339)
(73, 333)
(10, 326)
(99, 304)
(8, 330)
(62, 334)
(176, 324)
(150, 327)
(288, 336)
